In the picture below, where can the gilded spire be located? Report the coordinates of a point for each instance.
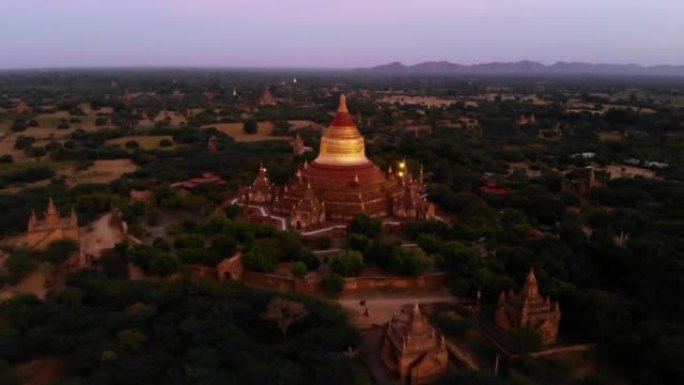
(342, 144)
(342, 107)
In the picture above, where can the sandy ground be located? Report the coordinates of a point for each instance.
(99, 236)
(625, 171)
(102, 171)
(609, 136)
(383, 305)
(299, 124)
(176, 119)
(34, 283)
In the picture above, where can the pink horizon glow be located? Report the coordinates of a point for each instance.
(336, 34)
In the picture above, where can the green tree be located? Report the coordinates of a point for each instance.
(59, 251)
(18, 264)
(411, 261)
(525, 339)
(332, 284)
(132, 339)
(365, 225)
(261, 258)
(250, 127)
(347, 263)
(431, 243)
(298, 269)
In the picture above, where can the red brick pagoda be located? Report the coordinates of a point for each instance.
(412, 350)
(528, 309)
(341, 183)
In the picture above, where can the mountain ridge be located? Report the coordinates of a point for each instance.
(523, 67)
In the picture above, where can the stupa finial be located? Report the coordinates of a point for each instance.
(343, 104)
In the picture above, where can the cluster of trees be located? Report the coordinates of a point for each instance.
(19, 262)
(371, 245)
(111, 331)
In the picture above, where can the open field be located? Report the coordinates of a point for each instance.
(234, 130)
(7, 168)
(145, 142)
(102, 171)
(626, 171)
(610, 136)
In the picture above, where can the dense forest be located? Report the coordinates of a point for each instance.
(111, 331)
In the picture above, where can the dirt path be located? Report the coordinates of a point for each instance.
(382, 306)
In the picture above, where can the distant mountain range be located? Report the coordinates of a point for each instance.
(524, 67)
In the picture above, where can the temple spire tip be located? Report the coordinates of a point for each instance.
(343, 104)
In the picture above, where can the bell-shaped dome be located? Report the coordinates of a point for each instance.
(342, 144)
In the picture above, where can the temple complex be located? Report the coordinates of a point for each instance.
(412, 350)
(298, 146)
(41, 232)
(22, 108)
(341, 183)
(526, 120)
(582, 180)
(528, 309)
(260, 191)
(267, 99)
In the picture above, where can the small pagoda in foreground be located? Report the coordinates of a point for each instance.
(413, 350)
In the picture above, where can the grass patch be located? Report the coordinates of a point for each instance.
(11, 168)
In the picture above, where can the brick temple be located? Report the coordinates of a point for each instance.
(528, 309)
(341, 183)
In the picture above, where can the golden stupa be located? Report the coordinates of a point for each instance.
(342, 182)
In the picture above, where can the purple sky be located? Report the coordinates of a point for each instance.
(337, 33)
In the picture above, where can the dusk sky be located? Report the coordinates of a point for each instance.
(339, 33)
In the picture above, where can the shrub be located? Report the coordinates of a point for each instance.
(6, 159)
(131, 144)
(165, 143)
(261, 258)
(429, 242)
(224, 244)
(59, 251)
(347, 263)
(332, 284)
(189, 241)
(101, 121)
(323, 243)
(18, 264)
(525, 339)
(411, 262)
(363, 224)
(250, 127)
(299, 269)
(63, 126)
(358, 242)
